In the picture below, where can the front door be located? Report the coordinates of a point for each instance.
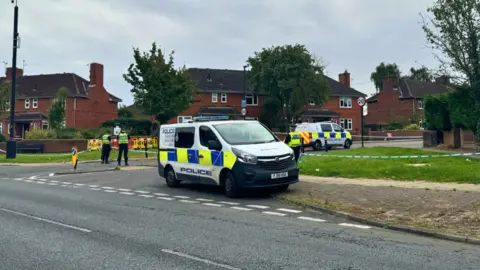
(25, 129)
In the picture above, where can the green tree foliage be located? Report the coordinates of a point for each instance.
(133, 126)
(437, 113)
(421, 74)
(56, 112)
(289, 76)
(382, 71)
(125, 112)
(158, 88)
(454, 30)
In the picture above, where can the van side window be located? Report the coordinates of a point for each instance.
(337, 128)
(326, 128)
(184, 137)
(206, 134)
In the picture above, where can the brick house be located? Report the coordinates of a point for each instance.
(221, 93)
(402, 101)
(88, 103)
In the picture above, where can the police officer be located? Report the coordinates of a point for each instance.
(123, 139)
(106, 147)
(294, 141)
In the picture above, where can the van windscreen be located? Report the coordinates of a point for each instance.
(245, 133)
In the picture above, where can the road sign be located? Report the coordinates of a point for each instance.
(116, 130)
(74, 157)
(244, 103)
(361, 101)
(244, 111)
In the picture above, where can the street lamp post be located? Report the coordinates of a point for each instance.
(11, 144)
(245, 86)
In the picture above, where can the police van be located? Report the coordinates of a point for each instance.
(324, 134)
(236, 155)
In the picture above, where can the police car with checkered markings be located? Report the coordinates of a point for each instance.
(321, 134)
(236, 155)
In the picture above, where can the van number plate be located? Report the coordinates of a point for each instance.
(279, 175)
(334, 141)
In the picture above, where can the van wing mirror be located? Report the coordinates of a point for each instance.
(214, 145)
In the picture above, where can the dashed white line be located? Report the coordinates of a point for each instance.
(80, 185)
(108, 187)
(46, 220)
(18, 179)
(212, 204)
(208, 262)
(181, 197)
(204, 200)
(66, 183)
(165, 198)
(188, 201)
(52, 184)
(161, 194)
(274, 213)
(312, 219)
(109, 191)
(142, 191)
(96, 189)
(241, 208)
(43, 180)
(289, 210)
(355, 225)
(229, 203)
(94, 186)
(127, 193)
(125, 189)
(32, 177)
(28, 181)
(258, 206)
(146, 196)
(52, 181)
(38, 182)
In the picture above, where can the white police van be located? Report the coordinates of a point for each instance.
(324, 134)
(236, 155)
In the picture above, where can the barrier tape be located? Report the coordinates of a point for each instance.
(392, 157)
(386, 137)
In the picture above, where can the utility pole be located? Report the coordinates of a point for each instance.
(12, 144)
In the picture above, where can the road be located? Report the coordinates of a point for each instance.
(131, 220)
(397, 143)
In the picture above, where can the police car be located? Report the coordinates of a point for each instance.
(236, 155)
(321, 134)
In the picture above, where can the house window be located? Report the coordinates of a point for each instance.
(27, 103)
(251, 99)
(223, 98)
(64, 123)
(7, 106)
(214, 97)
(345, 102)
(183, 119)
(1, 128)
(420, 104)
(422, 124)
(44, 124)
(312, 102)
(8, 131)
(346, 123)
(34, 103)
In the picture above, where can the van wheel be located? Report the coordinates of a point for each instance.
(347, 144)
(317, 146)
(230, 186)
(170, 178)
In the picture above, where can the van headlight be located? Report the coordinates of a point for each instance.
(292, 153)
(244, 156)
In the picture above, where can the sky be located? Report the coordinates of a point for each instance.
(356, 35)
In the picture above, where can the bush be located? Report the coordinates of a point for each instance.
(134, 126)
(2, 138)
(95, 133)
(40, 134)
(69, 133)
(412, 127)
(437, 113)
(394, 125)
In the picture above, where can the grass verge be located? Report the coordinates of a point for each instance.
(435, 169)
(85, 156)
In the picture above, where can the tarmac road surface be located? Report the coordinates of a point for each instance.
(131, 220)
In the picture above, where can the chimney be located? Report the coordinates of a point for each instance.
(445, 80)
(9, 73)
(389, 83)
(96, 74)
(344, 78)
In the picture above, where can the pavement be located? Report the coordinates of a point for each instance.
(129, 219)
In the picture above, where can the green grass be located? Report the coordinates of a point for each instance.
(436, 169)
(53, 158)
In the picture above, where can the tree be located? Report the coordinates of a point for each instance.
(454, 30)
(56, 112)
(437, 113)
(421, 74)
(382, 71)
(125, 112)
(289, 76)
(158, 88)
(5, 94)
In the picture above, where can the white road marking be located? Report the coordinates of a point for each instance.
(204, 200)
(18, 179)
(258, 206)
(109, 191)
(127, 193)
(39, 182)
(52, 174)
(66, 183)
(142, 191)
(79, 185)
(187, 201)
(94, 186)
(46, 220)
(146, 196)
(161, 194)
(28, 181)
(312, 219)
(229, 203)
(32, 177)
(181, 197)
(165, 198)
(355, 225)
(289, 210)
(124, 189)
(212, 263)
(43, 180)
(52, 184)
(212, 204)
(52, 181)
(274, 213)
(108, 187)
(241, 208)
(96, 189)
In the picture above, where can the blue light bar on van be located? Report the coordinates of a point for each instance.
(211, 118)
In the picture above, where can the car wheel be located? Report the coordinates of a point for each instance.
(347, 144)
(170, 178)
(230, 186)
(317, 146)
